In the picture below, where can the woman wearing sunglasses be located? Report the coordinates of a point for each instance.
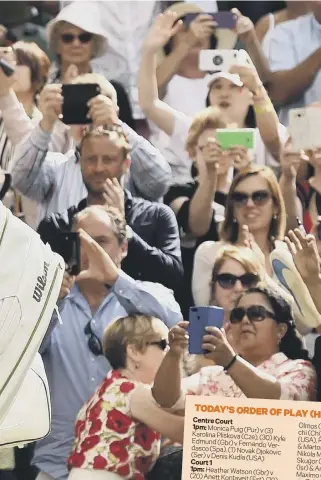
(267, 360)
(235, 271)
(76, 38)
(254, 205)
(117, 432)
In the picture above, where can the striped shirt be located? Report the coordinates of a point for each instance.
(55, 181)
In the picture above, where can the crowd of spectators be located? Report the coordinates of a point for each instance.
(181, 221)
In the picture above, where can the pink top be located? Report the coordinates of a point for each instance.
(108, 438)
(296, 377)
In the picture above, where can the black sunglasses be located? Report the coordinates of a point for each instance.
(228, 280)
(162, 344)
(259, 197)
(94, 343)
(255, 313)
(82, 37)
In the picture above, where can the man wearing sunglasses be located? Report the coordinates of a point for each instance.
(72, 351)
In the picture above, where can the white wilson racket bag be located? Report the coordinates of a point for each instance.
(30, 280)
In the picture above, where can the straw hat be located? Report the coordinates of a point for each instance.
(226, 39)
(82, 17)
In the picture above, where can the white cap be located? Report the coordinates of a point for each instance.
(232, 77)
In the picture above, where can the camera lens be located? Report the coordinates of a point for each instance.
(217, 60)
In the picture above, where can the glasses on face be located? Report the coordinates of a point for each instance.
(259, 198)
(228, 280)
(82, 37)
(162, 344)
(255, 313)
(94, 343)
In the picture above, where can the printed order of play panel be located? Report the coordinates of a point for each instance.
(251, 439)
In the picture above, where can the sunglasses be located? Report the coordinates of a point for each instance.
(82, 37)
(259, 197)
(228, 280)
(94, 343)
(255, 313)
(162, 344)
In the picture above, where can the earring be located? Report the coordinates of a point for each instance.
(275, 216)
(234, 220)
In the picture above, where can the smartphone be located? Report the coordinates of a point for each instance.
(223, 19)
(75, 99)
(304, 128)
(67, 245)
(241, 137)
(222, 60)
(199, 318)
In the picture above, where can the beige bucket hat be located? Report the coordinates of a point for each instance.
(85, 16)
(226, 39)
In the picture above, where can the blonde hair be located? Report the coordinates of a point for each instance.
(138, 330)
(114, 132)
(210, 117)
(243, 255)
(106, 87)
(230, 228)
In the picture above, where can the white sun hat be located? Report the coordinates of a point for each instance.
(86, 17)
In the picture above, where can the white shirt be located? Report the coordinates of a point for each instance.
(290, 44)
(187, 96)
(181, 163)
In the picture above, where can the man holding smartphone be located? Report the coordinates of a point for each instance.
(54, 180)
(72, 351)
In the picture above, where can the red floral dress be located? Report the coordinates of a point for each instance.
(108, 438)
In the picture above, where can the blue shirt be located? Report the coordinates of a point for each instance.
(290, 44)
(74, 372)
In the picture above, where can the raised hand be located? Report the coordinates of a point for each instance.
(200, 28)
(178, 339)
(50, 105)
(114, 195)
(290, 160)
(66, 286)
(101, 267)
(244, 26)
(240, 157)
(304, 251)
(161, 31)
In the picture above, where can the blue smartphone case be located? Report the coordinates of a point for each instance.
(199, 318)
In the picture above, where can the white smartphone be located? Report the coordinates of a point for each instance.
(222, 60)
(304, 128)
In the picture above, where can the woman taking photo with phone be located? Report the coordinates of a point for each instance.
(236, 93)
(199, 203)
(267, 359)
